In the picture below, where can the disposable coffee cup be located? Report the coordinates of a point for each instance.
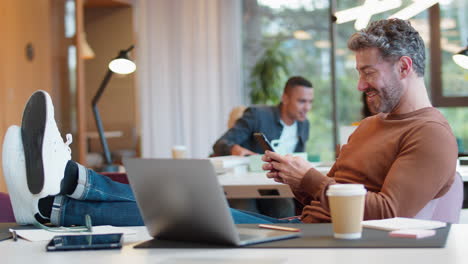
(179, 152)
(347, 209)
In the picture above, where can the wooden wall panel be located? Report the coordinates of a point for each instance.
(80, 88)
(22, 22)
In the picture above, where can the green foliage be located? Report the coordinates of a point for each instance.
(286, 56)
(269, 75)
(321, 137)
(457, 116)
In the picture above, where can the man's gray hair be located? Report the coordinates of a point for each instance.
(394, 38)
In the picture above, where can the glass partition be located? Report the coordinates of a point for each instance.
(299, 30)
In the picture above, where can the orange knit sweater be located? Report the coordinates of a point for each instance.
(404, 161)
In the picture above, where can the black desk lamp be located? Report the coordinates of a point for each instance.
(121, 65)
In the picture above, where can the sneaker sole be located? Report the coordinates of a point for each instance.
(23, 202)
(32, 133)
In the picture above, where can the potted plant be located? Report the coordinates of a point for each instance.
(269, 74)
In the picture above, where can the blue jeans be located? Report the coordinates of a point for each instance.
(246, 217)
(107, 202)
(112, 203)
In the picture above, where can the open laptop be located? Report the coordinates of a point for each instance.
(181, 200)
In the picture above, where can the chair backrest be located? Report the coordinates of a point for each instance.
(6, 211)
(235, 114)
(447, 207)
(116, 176)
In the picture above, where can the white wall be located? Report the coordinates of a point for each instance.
(189, 75)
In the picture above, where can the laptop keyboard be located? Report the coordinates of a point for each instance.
(246, 234)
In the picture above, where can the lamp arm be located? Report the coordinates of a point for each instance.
(97, 117)
(102, 87)
(129, 49)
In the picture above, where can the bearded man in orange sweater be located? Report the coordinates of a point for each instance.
(405, 156)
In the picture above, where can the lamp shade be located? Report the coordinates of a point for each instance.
(122, 66)
(461, 58)
(87, 51)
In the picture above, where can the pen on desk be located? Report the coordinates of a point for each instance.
(14, 235)
(282, 228)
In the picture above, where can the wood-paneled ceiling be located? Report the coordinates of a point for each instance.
(106, 3)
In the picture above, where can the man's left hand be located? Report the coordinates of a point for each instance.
(290, 170)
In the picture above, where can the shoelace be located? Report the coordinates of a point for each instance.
(69, 141)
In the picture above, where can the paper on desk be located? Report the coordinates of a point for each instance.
(34, 235)
(402, 223)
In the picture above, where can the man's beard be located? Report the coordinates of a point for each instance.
(389, 96)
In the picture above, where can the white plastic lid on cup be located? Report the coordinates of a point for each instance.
(346, 190)
(179, 147)
(179, 152)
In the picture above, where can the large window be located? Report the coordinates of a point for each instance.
(300, 31)
(295, 35)
(349, 101)
(453, 38)
(454, 82)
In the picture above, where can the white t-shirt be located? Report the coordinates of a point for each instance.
(288, 139)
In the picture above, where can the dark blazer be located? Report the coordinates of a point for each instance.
(265, 119)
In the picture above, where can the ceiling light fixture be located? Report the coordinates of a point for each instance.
(413, 9)
(363, 13)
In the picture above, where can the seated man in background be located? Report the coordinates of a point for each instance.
(286, 122)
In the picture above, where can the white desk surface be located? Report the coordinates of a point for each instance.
(34, 252)
(463, 170)
(257, 185)
(253, 185)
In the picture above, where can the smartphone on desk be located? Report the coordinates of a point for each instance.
(263, 141)
(85, 242)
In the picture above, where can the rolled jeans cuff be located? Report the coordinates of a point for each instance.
(81, 185)
(57, 206)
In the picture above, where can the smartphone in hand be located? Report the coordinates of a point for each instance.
(263, 141)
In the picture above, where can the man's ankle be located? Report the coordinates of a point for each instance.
(45, 209)
(70, 179)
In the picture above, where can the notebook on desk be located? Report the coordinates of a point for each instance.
(181, 200)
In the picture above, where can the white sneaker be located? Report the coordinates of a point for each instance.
(24, 203)
(45, 153)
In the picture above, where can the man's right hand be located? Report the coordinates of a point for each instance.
(237, 150)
